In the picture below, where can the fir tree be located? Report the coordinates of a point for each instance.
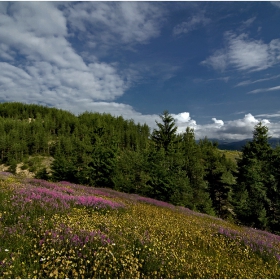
(254, 180)
(165, 135)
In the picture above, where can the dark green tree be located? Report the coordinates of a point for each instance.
(195, 171)
(63, 169)
(132, 172)
(255, 181)
(165, 136)
(273, 193)
(168, 179)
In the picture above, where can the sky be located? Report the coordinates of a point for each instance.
(215, 66)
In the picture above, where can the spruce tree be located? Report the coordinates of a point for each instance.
(194, 168)
(255, 180)
(168, 179)
(165, 135)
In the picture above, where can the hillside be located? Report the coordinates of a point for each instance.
(232, 155)
(237, 145)
(64, 230)
(105, 151)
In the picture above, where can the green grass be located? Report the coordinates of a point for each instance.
(62, 230)
(232, 155)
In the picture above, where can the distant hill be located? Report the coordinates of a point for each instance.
(237, 145)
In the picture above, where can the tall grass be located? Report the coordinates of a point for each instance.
(63, 230)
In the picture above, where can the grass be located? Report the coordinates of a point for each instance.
(63, 230)
(232, 155)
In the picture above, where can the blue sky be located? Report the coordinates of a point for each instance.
(215, 66)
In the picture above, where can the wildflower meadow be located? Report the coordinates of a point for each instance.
(64, 230)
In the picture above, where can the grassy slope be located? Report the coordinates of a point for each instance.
(232, 155)
(30, 166)
(59, 230)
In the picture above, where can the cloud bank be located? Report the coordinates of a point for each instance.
(230, 130)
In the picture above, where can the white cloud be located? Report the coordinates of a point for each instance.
(183, 120)
(247, 54)
(219, 60)
(113, 108)
(249, 82)
(40, 64)
(47, 70)
(276, 115)
(248, 22)
(231, 130)
(275, 3)
(263, 90)
(39, 34)
(218, 122)
(40, 18)
(193, 23)
(238, 129)
(48, 59)
(129, 22)
(243, 53)
(235, 130)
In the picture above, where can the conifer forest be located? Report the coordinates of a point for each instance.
(101, 150)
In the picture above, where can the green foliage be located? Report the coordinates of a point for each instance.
(102, 150)
(13, 166)
(42, 174)
(63, 169)
(165, 135)
(132, 172)
(255, 181)
(194, 167)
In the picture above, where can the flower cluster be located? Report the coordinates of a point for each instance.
(64, 230)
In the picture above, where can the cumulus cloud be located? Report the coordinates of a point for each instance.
(238, 129)
(218, 122)
(232, 130)
(193, 23)
(243, 53)
(183, 120)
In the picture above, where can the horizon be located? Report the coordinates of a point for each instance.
(213, 65)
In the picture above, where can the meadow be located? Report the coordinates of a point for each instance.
(64, 230)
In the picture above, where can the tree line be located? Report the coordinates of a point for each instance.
(102, 150)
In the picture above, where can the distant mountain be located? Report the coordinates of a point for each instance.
(237, 145)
